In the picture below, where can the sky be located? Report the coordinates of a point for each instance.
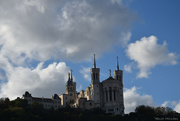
(42, 40)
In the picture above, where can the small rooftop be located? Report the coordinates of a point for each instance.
(110, 78)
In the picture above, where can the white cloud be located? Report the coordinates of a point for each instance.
(173, 103)
(86, 73)
(39, 81)
(42, 30)
(124, 39)
(72, 29)
(128, 67)
(177, 107)
(132, 99)
(148, 53)
(165, 104)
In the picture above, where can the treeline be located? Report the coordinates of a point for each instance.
(20, 110)
(147, 113)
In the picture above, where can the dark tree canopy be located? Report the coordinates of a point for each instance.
(145, 110)
(20, 110)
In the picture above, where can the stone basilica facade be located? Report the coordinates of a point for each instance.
(107, 94)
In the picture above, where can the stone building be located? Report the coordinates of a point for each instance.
(107, 94)
(54, 102)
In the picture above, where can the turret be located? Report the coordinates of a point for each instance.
(95, 74)
(118, 75)
(71, 88)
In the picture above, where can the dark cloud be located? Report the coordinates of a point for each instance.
(62, 29)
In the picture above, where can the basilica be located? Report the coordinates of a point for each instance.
(107, 95)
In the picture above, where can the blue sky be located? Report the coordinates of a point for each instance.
(41, 41)
(161, 19)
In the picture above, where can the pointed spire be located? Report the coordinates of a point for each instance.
(117, 64)
(71, 76)
(94, 62)
(68, 76)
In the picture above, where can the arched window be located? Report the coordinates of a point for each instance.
(110, 93)
(114, 95)
(106, 94)
(97, 75)
(93, 76)
(120, 77)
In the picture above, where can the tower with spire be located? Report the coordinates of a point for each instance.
(95, 73)
(71, 88)
(118, 74)
(95, 83)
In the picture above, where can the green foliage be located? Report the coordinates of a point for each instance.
(4, 103)
(19, 103)
(144, 110)
(160, 111)
(147, 113)
(36, 108)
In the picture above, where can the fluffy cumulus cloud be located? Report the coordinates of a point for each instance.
(132, 99)
(177, 107)
(148, 53)
(39, 81)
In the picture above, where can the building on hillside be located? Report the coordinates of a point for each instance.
(107, 94)
(54, 102)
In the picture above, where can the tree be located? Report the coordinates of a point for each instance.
(169, 111)
(37, 108)
(7, 101)
(160, 111)
(4, 103)
(145, 110)
(19, 103)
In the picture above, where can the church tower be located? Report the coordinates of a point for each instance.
(118, 75)
(95, 83)
(71, 88)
